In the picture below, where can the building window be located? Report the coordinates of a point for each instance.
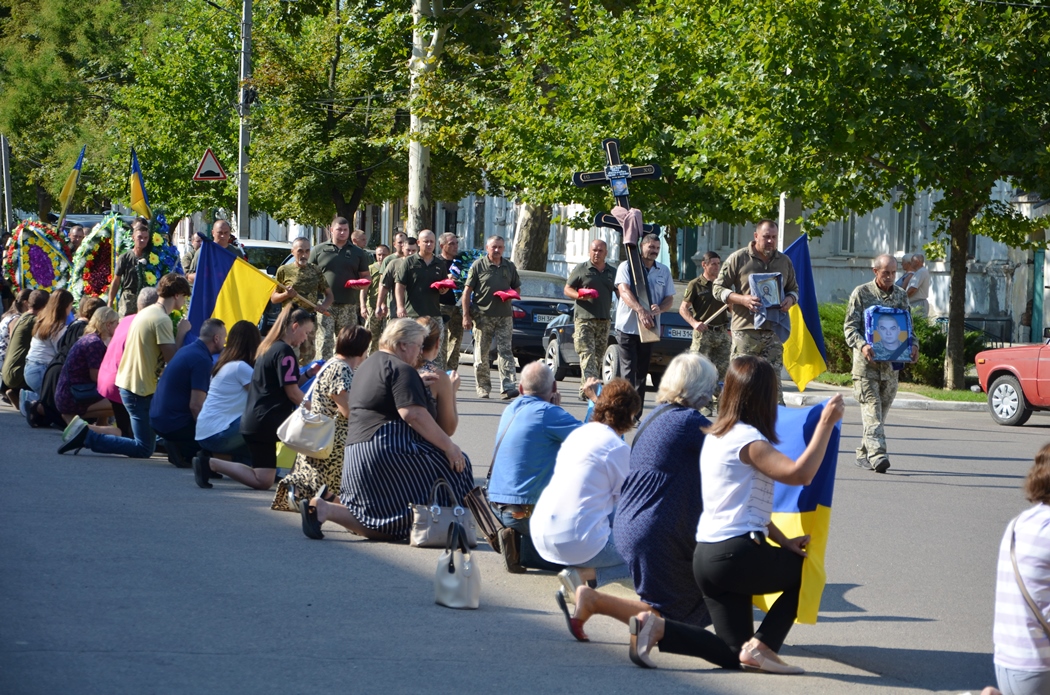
(451, 218)
(904, 237)
(971, 244)
(727, 235)
(848, 234)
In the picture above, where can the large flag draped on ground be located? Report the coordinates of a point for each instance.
(799, 510)
(70, 188)
(139, 197)
(804, 355)
(227, 287)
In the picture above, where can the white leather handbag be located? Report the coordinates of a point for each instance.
(306, 432)
(457, 580)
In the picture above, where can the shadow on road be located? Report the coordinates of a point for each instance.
(920, 668)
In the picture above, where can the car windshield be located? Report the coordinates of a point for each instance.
(541, 287)
(263, 257)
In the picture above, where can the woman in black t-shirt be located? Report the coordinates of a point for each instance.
(395, 448)
(272, 396)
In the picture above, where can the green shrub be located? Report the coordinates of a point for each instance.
(840, 356)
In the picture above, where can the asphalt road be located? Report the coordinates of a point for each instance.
(121, 576)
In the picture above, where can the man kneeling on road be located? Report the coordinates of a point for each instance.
(530, 433)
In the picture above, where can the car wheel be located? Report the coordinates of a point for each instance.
(1006, 402)
(611, 363)
(553, 359)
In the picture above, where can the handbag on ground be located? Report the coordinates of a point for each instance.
(457, 579)
(430, 522)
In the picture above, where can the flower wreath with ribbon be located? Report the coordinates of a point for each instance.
(93, 261)
(37, 258)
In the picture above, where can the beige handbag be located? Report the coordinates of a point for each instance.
(431, 523)
(306, 432)
(457, 580)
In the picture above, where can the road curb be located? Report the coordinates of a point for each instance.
(800, 400)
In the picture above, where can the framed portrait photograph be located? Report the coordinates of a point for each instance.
(889, 332)
(769, 287)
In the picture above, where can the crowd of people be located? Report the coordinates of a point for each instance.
(682, 513)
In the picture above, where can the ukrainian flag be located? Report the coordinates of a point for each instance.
(799, 510)
(804, 355)
(227, 287)
(139, 197)
(66, 196)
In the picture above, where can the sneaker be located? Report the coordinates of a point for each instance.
(508, 395)
(510, 549)
(74, 426)
(176, 458)
(483, 394)
(862, 462)
(882, 466)
(76, 442)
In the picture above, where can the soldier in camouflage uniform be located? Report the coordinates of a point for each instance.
(451, 313)
(303, 279)
(376, 323)
(874, 383)
(732, 287)
(591, 316)
(340, 261)
(710, 336)
(491, 317)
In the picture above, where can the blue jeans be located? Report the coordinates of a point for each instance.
(145, 441)
(608, 566)
(527, 555)
(1014, 682)
(229, 441)
(34, 376)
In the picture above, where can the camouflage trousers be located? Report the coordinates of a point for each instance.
(485, 329)
(375, 327)
(305, 352)
(714, 344)
(590, 339)
(339, 315)
(440, 358)
(453, 334)
(764, 344)
(875, 397)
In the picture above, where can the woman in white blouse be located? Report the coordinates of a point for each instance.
(733, 561)
(571, 524)
(218, 425)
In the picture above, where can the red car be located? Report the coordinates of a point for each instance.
(1017, 381)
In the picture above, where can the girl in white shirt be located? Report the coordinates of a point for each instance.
(218, 425)
(733, 561)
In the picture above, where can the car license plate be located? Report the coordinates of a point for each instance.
(543, 318)
(686, 333)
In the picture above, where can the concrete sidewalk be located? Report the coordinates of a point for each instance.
(818, 393)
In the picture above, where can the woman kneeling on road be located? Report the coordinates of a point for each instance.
(395, 450)
(733, 562)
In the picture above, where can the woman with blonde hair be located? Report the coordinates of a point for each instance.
(395, 448)
(77, 392)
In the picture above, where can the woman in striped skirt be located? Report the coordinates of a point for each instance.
(395, 447)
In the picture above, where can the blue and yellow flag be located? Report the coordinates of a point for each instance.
(227, 287)
(139, 197)
(804, 355)
(66, 196)
(799, 510)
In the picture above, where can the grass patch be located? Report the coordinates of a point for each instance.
(838, 379)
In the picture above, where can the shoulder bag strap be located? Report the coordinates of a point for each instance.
(660, 410)
(496, 450)
(1020, 583)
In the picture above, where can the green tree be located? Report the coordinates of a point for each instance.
(842, 104)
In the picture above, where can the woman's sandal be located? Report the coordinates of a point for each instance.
(641, 634)
(311, 524)
(766, 664)
(575, 625)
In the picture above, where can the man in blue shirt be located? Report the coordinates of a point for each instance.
(181, 391)
(530, 433)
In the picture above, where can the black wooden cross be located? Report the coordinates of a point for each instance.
(616, 174)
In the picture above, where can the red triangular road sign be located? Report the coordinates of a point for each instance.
(209, 169)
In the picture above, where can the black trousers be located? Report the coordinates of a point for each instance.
(730, 572)
(634, 360)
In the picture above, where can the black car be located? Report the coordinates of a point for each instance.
(675, 337)
(542, 301)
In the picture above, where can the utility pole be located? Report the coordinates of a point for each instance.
(5, 164)
(246, 95)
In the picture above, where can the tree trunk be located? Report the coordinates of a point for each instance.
(532, 236)
(426, 51)
(954, 358)
(671, 237)
(43, 203)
